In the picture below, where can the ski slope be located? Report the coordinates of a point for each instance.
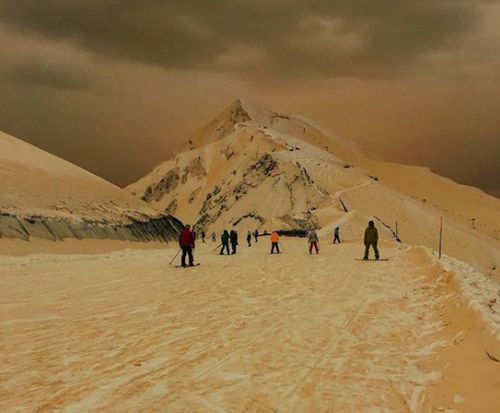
(123, 331)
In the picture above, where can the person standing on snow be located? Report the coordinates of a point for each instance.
(186, 242)
(214, 236)
(234, 240)
(249, 238)
(371, 239)
(203, 236)
(275, 239)
(313, 241)
(336, 235)
(256, 235)
(224, 239)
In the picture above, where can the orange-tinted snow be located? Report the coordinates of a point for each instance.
(123, 331)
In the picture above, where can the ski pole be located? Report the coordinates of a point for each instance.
(217, 247)
(175, 256)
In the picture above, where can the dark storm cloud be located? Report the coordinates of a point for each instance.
(290, 37)
(53, 75)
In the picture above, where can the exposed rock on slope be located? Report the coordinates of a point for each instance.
(44, 196)
(252, 168)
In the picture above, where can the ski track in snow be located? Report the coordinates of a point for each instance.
(291, 332)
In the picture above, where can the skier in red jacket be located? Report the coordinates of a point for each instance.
(186, 242)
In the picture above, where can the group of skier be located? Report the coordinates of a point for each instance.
(313, 239)
(230, 238)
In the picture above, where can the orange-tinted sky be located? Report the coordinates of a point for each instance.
(113, 85)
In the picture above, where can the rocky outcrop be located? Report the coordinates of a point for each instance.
(196, 168)
(238, 114)
(171, 208)
(194, 194)
(251, 215)
(167, 184)
(219, 201)
(305, 222)
(162, 228)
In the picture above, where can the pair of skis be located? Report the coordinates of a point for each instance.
(181, 266)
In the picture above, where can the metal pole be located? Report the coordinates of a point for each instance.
(397, 233)
(217, 247)
(175, 256)
(440, 237)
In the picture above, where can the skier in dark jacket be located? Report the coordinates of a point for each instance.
(256, 235)
(371, 239)
(249, 238)
(224, 239)
(234, 240)
(336, 235)
(186, 242)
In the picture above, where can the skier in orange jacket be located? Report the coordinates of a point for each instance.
(275, 239)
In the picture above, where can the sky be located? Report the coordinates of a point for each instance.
(115, 85)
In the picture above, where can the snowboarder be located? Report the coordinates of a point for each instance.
(203, 236)
(249, 238)
(224, 239)
(256, 235)
(186, 242)
(371, 239)
(336, 235)
(313, 241)
(275, 239)
(214, 236)
(234, 240)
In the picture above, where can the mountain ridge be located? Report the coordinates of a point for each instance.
(252, 168)
(47, 197)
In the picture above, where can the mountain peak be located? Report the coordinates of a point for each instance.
(236, 112)
(242, 111)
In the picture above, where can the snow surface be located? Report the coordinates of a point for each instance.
(36, 183)
(247, 332)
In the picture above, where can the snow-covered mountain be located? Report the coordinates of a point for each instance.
(252, 168)
(46, 197)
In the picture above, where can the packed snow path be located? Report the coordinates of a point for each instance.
(123, 331)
